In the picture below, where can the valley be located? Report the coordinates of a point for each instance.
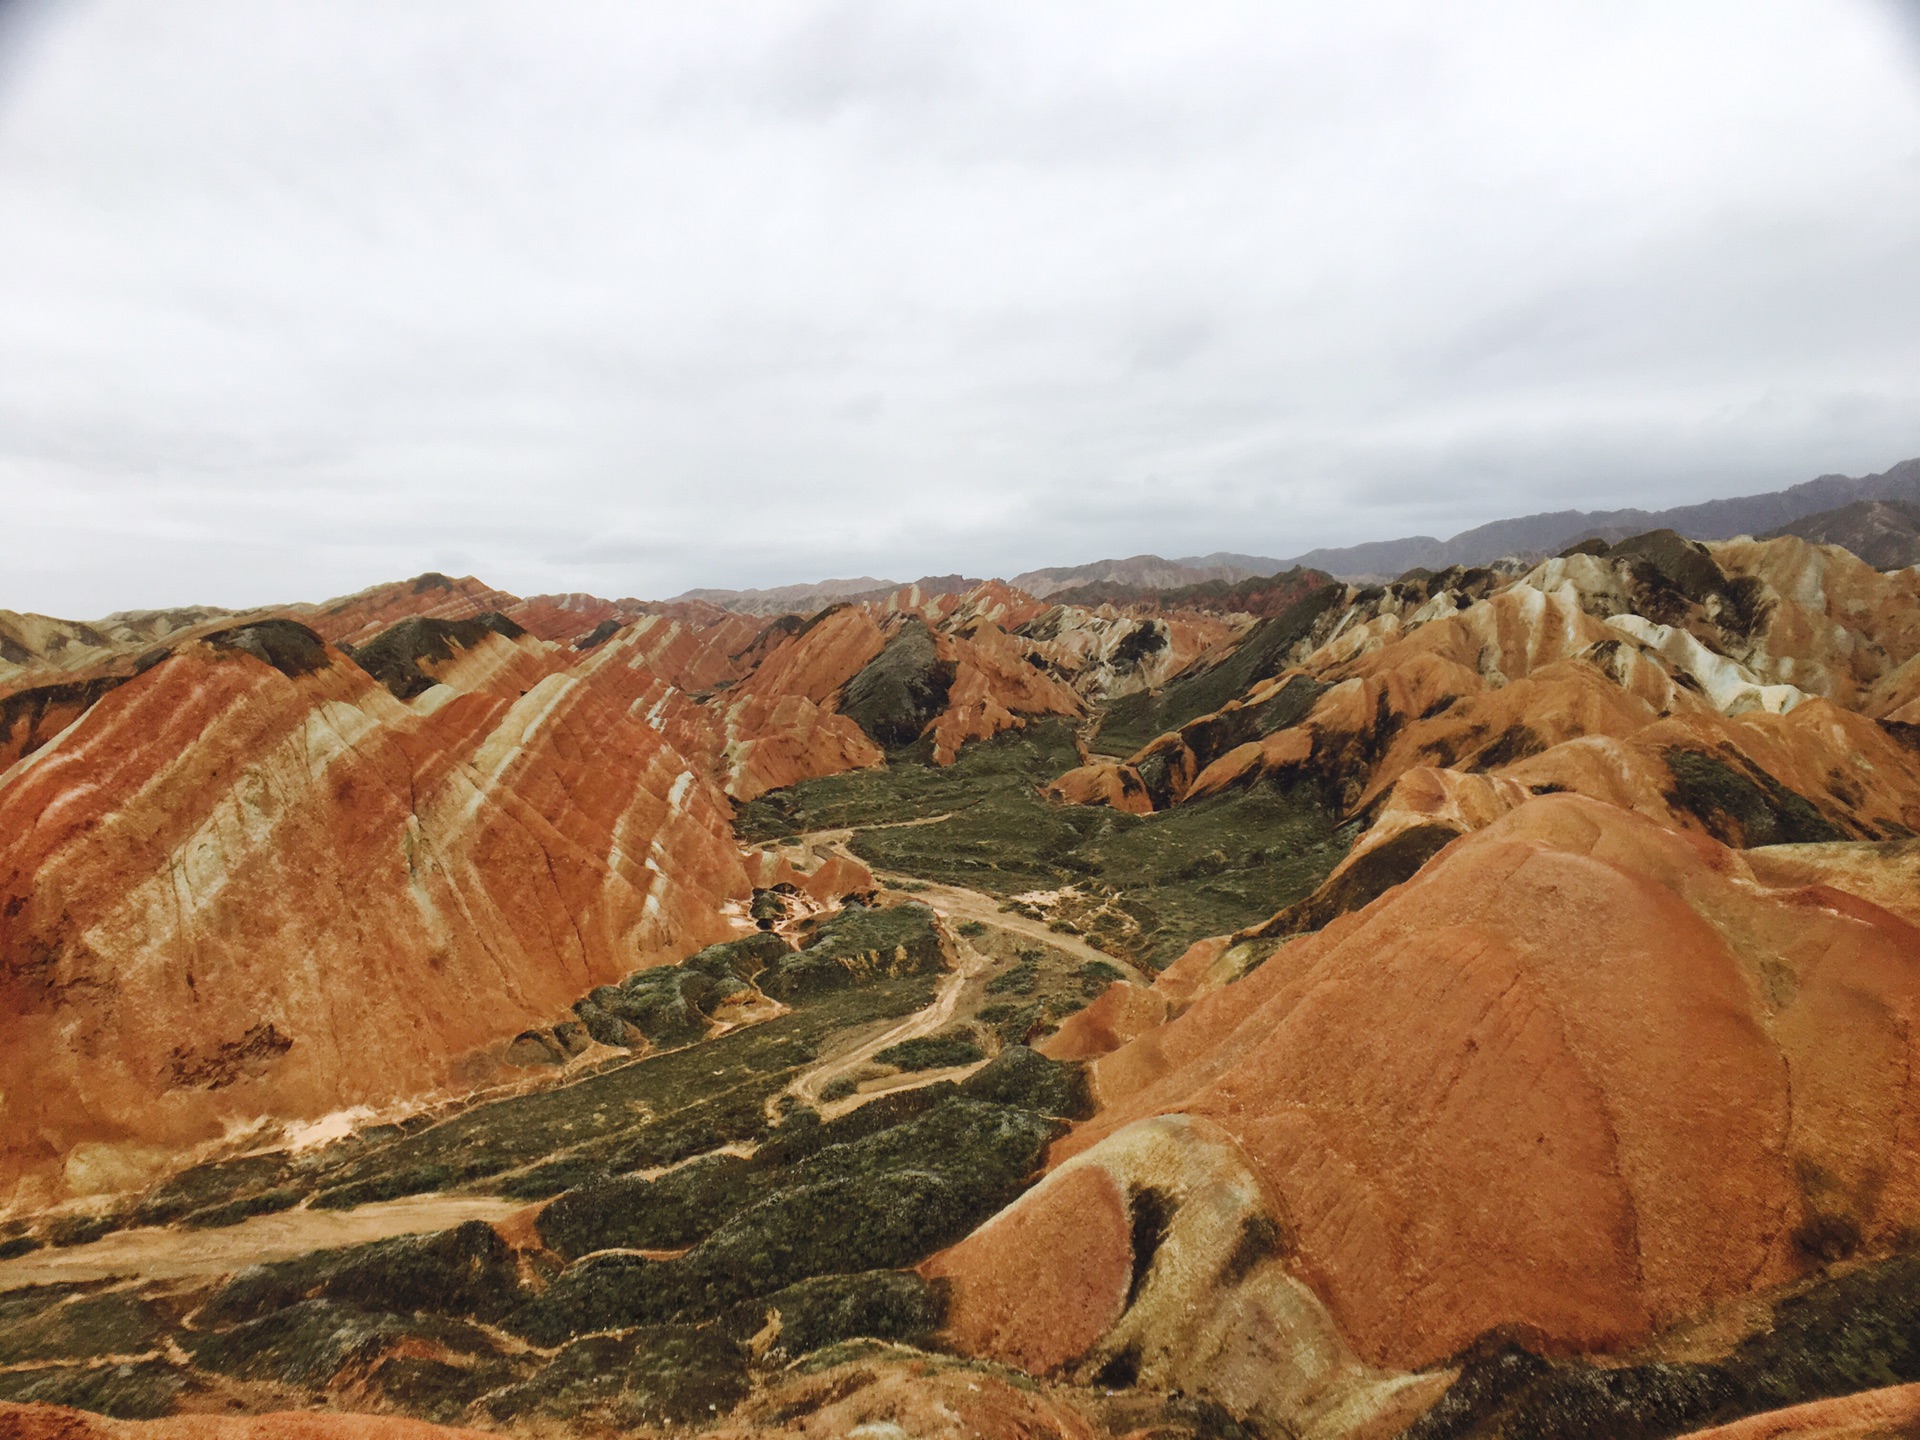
(1475, 1004)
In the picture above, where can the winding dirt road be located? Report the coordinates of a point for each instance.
(169, 1253)
(956, 903)
(921, 1023)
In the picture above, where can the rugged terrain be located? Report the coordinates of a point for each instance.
(1476, 1004)
(1884, 533)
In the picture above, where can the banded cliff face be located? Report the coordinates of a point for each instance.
(1738, 690)
(257, 875)
(251, 882)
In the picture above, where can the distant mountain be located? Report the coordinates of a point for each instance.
(1138, 577)
(808, 599)
(1146, 572)
(1250, 565)
(1884, 533)
(778, 598)
(1259, 595)
(1554, 530)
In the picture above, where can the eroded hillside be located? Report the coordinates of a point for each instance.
(1480, 1004)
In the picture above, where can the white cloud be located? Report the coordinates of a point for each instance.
(636, 297)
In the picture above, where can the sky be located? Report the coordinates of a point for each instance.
(629, 298)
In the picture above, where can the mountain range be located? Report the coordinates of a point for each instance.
(1483, 1003)
(1546, 533)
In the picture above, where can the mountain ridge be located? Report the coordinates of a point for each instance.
(1221, 1005)
(1542, 533)
(1550, 531)
(1884, 533)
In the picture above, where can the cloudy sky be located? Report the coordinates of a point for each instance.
(299, 295)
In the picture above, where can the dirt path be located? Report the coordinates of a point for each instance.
(956, 902)
(921, 1023)
(168, 1253)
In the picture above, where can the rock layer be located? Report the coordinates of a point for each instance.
(1576, 1080)
(237, 889)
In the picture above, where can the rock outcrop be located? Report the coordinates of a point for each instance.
(1538, 1055)
(1719, 688)
(251, 882)
(1579, 1078)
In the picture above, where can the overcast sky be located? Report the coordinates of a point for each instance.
(297, 297)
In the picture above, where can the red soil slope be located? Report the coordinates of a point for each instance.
(235, 890)
(1890, 1414)
(1580, 1077)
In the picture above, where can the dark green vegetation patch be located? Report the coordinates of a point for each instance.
(398, 655)
(1740, 804)
(802, 1245)
(855, 946)
(666, 1005)
(1014, 759)
(1019, 1076)
(1208, 867)
(663, 1374)
(882, 1200)
(901, 690)
(468, 1270)
(1204, 868)
(311, 1342)
(875, 1304)
(132, 1390)
(1030, 1003)
(1840, 1335)
(933, 1052)
(630, 1212)
(55, 1323)
(88, 1346)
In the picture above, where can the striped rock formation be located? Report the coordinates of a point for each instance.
(1581, 1077)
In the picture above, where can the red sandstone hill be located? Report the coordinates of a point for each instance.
(1598, 1028)
(1578, 1079)
(1751, 682)
(250, 881)
(267, 870)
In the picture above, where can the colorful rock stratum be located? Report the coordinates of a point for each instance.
(1485, 1004)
